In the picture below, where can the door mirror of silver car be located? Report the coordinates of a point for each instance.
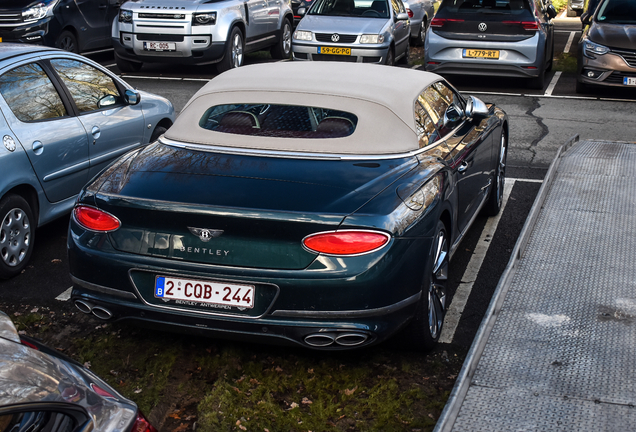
(551, 11)
(475, 108)
(402, 16)
(301, 11)
(107, 101)
(132, 97)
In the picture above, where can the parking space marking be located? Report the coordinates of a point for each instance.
(65, 296)
(456, 308)
(550, 89)
(569, 44)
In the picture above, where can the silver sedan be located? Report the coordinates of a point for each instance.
(362, 31)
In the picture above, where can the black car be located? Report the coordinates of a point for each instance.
(73, 25)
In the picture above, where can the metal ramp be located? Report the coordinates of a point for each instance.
(556, 350)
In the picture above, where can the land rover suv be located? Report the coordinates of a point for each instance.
(200, 32)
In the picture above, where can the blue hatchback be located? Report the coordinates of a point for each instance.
(63, 119)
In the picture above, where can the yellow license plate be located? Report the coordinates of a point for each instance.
(485, 54)
(334, 50)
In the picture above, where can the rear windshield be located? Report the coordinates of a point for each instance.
(351, 8)
(505, 7)
(281, 121)
(617, 12)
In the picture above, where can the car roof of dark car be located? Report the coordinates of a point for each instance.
(382, 98)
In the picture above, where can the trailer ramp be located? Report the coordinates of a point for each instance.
(557, 348)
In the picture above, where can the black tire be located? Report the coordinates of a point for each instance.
(551, 61)
(159, 130)
(234, 51)
(582, 87)
(424, 330)
(282, 49)
(495, 199)
(17, 233)
(390, 57)
(538, 82)
(421, 36)
(126, 65)
(67, 41)
(405, 59)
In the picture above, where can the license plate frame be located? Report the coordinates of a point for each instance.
(334, 50)
(205, 291)
(159, 46)
(482, 54)
(629, 81)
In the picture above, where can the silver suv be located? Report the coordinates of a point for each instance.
(198, 32)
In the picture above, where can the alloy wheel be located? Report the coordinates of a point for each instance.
(437, 287)
(237, 50)
(286, 39)
(15, 237)
(501, 169)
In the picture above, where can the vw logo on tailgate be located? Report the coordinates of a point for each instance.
(482, 27)
(335, 37)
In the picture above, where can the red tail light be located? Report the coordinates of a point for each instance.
(95, 219)
(346, 242)
(409, 12)
(439, 22)
(527, 25)
(142, 424)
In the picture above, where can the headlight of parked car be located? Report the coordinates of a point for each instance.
(371, 39)
(591, 49)
(125, 16)
(206, 18)
(303, 35)
(38, 11)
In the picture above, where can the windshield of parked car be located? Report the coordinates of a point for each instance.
(617, 12)
(279, 121)
(351, 8)
(507, 7)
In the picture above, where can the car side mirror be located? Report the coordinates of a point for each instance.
(402, 16)
(475, 108)
(107, 101)
(551, 11)
(132, 97)
(302, 11)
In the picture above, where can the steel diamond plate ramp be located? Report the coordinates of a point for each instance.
(557, 349)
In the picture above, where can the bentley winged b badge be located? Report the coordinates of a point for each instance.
(204, 234)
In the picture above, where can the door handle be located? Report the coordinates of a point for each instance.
(96, 133)
(37, 147)
(463, 166)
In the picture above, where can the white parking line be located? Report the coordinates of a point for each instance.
(550, 89)
(65, 296)
(569, 44)
(456, 308)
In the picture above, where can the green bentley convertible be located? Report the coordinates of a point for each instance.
(322, 213)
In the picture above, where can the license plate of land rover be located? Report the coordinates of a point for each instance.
(220, 293)
(630, 81)
(160, 46)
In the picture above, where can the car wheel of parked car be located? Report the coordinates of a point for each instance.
(493, 205)
(159, 130)
(16, 235)
(233, 52)
(282, 49)
(390, 57)
(127, 66)
(67, 41)
(407, 54)
(539, 81)
(582, 87)
(421, 36)
(551, 62)
(426, 327)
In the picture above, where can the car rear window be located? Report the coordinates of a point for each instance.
(504, 7)
(280, 121)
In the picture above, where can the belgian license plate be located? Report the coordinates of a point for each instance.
(479, 53)
(219, 293)
(334, 50)
(160, 46)
(630, 81)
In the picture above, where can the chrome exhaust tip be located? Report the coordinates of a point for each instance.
(351, 339)
(319, 340)
(102, 313)
(84, 306)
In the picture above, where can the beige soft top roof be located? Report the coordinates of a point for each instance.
(382, 98)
